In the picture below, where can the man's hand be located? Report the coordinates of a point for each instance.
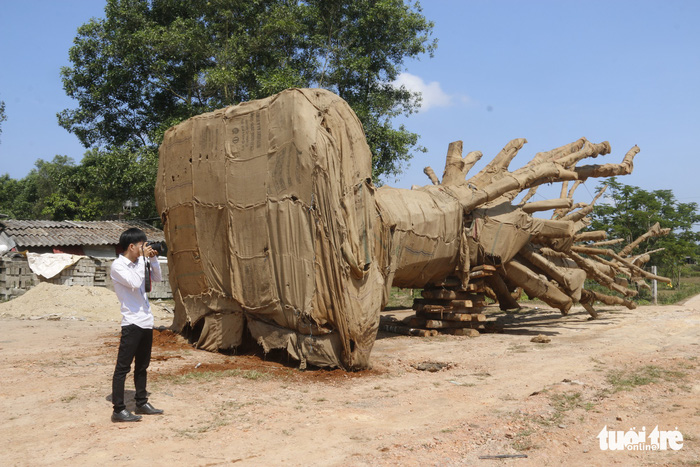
(148, 252)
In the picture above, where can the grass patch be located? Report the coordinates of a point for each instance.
(570, 401)
(563, 403)
(222, 417)
(522, 440)
(207, 376)
(666, 295)
(624, 380)
(685, 290)
(253, 375)
(517, 348)
(193, 432)
(402, 298)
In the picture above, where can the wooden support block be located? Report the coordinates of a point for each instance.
(416, 322)
(463, 303)
(420, 307)
(420, 303)
(478, 301)
(469, 311)
(434, 308)
(422, 310)
(461, 332)
(450, 282)
(451, 316)
(475, 286)
(448, 294)
(447, 316)
(442, 324)
(406, 330)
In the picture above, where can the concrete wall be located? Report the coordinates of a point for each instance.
(16, 277)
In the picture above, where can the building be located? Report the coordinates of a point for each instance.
(95, 241)
(90, 238)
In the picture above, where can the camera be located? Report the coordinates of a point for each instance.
(160, 247)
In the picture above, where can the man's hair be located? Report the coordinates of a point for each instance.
(132, 235)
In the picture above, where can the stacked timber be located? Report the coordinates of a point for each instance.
(447, 308)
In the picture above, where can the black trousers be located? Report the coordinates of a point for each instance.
(134, 346)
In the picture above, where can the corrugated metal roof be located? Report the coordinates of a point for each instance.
(66, 233)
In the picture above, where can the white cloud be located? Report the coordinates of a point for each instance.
(433, 95)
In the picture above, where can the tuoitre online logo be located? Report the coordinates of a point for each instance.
(657, 440)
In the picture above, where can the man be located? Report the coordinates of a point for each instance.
(128, 275)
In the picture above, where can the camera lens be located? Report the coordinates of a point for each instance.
(158, 247)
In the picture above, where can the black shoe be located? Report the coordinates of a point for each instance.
(148, 409)
(125, 416)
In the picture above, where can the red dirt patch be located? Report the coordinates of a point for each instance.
(250, 363)
(166, 339)
(276, 364)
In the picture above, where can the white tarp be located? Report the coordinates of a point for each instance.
(49, 265)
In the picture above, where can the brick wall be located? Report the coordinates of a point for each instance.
(16, 277)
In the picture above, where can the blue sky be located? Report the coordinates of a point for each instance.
(549, 71)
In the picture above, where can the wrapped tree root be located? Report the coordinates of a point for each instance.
(275, 228)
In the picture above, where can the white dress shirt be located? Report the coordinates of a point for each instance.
(130, 287)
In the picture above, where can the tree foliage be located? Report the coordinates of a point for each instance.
(631, 211)
(95, 189)
(150, 64)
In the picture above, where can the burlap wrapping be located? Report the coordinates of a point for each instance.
(274, 225)
(268, 210)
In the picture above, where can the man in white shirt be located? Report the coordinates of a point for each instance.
(128, 273)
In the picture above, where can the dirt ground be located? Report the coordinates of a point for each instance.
(498, 394)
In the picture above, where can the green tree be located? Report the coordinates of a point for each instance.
(16, 200)
(112, 178)
(57, 196)
(150, 64)
(26, 198)
(47, 192)
(631, 211)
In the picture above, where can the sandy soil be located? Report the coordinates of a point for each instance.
(499, 394)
